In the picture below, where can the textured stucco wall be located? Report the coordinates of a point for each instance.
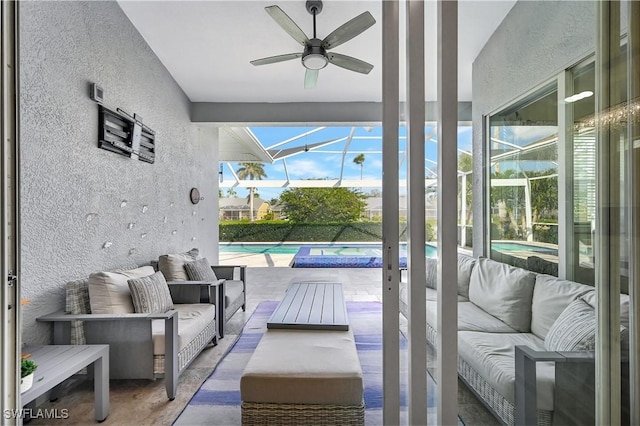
(71, 192)
(535, 41)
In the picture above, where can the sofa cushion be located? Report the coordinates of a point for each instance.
(192, 319)
(109, 291)
(465, 267)
(503, 291)
(200, 270)
(551, 296)
(470, 318)
(323, 369)
(492, 356)
(150, 294)
(172, 265)
(432, 272)
(574, 329)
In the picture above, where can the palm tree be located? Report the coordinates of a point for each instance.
(359, 159)
(251, 171)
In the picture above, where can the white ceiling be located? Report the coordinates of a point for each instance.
(207, 46)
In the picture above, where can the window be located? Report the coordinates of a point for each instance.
(523, 195)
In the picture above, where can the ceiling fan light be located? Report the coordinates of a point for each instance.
(314, 61)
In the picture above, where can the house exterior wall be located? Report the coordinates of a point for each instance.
(536, 41)
(85, 209)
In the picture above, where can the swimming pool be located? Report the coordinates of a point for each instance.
(328, 255)
(510, 247)
(292, 248)
(361, 256)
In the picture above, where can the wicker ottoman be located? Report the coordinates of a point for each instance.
(303, 377)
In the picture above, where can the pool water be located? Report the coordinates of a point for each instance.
(328, 249)
(512, 246)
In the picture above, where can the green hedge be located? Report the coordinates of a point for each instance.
(282, 231)
(285, 231)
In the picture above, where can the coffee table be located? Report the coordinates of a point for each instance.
(57, 363)
(311, 306)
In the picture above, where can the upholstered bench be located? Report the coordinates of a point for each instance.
(303, 377)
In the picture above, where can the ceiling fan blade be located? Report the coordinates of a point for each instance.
(287, 24)
(349, 63)
(310, 78)
(348, 30)
(274, 59)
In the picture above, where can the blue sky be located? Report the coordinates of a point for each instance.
(325, 162)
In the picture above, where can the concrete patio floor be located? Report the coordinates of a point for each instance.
(144, 402)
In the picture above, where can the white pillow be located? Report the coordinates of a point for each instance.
(465, 268)
(574, 329)
(109, 291)
(551, 296)
(503, 291)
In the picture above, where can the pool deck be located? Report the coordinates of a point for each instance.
(256, 259)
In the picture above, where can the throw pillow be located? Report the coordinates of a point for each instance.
(574, 329)
(432, 272)
(109, 292)
(551, 296)
(465, 267)
(200, 270)
(150, 294)
(172, 265)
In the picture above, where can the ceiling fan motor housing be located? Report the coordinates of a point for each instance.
(314, 56)
(314, 6)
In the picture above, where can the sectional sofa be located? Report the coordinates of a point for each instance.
(501, 307)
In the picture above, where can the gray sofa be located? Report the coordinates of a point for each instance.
(230, 279)
(501, 307)
(99, 310)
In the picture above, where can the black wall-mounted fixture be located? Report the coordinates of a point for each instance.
(124, 134)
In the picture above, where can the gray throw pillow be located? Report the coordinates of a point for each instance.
(172, 265)
(574, 329)
(150, 294)
(200, 270)
(432, 272)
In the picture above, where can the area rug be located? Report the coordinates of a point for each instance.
(217, 402)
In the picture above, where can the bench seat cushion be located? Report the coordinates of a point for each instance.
(492, 356)
(304, 367)
(192, 319)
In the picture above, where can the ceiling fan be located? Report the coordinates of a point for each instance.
(315, 55)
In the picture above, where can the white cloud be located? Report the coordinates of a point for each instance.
(304, 169)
